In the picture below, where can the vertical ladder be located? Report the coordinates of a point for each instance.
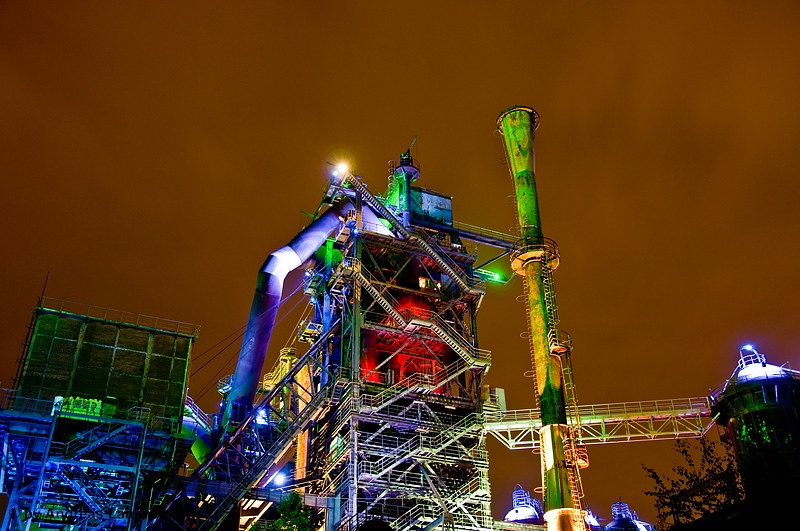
(568, 384)
(550, 295)
(532, 372)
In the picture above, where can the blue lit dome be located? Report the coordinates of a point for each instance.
(621, 524)
(759, 411)
(591, 521)
(526, 510)
(623, 520)
(753, 367)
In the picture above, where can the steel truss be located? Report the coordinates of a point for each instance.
(401, 439)
(409, 450)
(70, 470)
(610, 423)
(245, 458)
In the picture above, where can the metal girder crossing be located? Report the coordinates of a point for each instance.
(94, 439)
(244, 470)
(610, 423)
(239, 491)
(351, 267)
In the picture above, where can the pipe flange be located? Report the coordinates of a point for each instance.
(546, 253)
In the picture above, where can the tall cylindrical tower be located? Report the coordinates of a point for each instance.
(535, 260)
(759, 409)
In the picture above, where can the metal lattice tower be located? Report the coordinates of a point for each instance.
(382, 416)
(95, 419)
(404, 441)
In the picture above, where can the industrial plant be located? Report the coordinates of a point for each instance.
(378, 412)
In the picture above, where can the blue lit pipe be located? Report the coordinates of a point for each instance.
(266, 302)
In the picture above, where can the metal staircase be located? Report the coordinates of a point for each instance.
(419, 514)
(475, 357)
(416, 239)
(471, 356)
(198, 414)
(373, 470)
(93, 439)
(414, 383)
(423, 447)
(259, 468)
(89, 493)
(351, 267)
(252, 465)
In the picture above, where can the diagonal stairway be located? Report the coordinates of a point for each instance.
(414, 383)
(93, 439)
(260, 467)
(416, 239)
(230, 444)
(85, 488)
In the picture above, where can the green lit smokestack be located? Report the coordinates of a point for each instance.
(534, 260)
(518, 127)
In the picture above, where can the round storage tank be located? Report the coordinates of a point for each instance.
(758, 409)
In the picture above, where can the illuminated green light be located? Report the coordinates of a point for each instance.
(490, 276)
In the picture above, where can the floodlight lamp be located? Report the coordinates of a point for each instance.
(341, 167)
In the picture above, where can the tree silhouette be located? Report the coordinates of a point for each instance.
(294, 516)
(707, 480)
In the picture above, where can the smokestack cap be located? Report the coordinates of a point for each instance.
(517, 108)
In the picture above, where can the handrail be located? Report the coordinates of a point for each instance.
(118, 316)
(481, 231)
(399, 227)
(545, 252)
(353, 267)
(198, 414)
(410, 384)
(92, 439)
(595, 413)
(427, 316)
(23, 404)
(438, 445)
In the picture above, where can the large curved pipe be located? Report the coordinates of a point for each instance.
(203, 443)
(266, 302)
